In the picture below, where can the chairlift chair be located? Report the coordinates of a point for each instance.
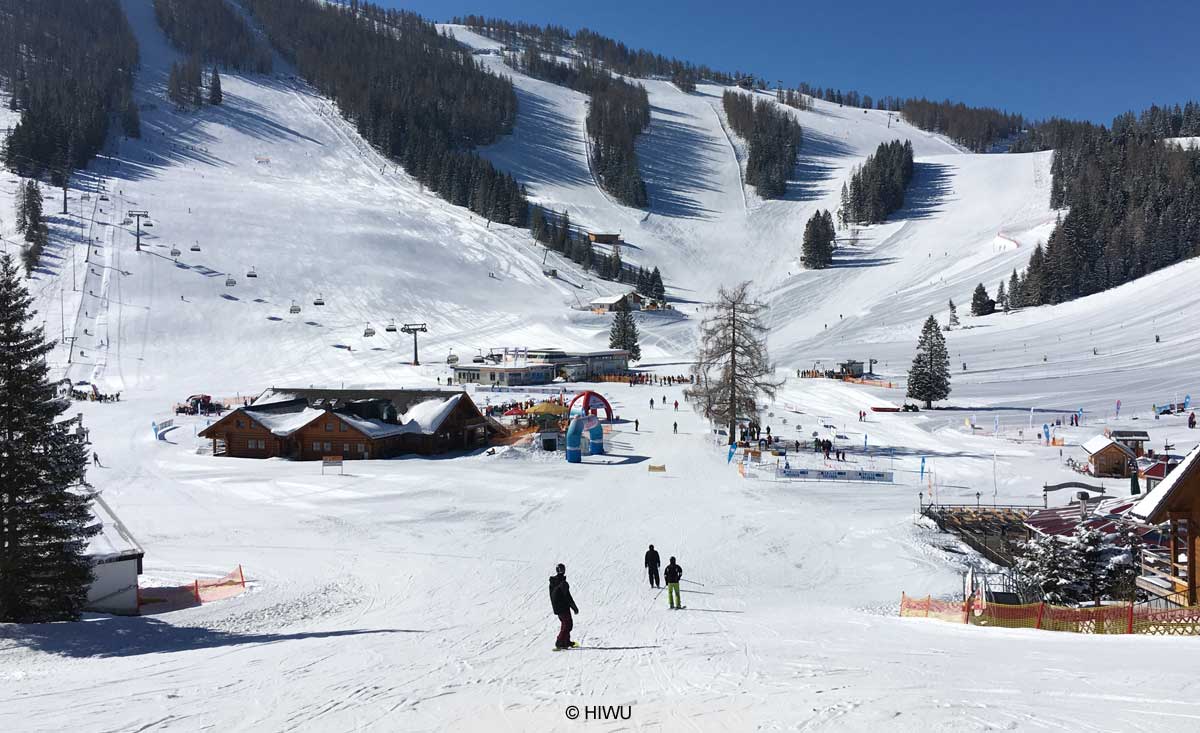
(230, 282)
(452, 359)
(175, 251)
(391, 327)
(148, 224)
(195, 247)
(251, 273)
(294, 309)
(319, 300)
(368, 332)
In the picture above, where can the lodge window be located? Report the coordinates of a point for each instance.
(239, 423)
(316, 446)
(345, 448)
(361, 448)
(342, 427)
(328, 447)
(329, 427)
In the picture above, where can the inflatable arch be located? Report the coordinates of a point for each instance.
(575, 432)
(588, 401)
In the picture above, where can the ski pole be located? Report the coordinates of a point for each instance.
(685, 580)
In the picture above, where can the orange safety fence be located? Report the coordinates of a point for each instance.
(930, 607)
(869, 382)
(228, 586)
(1125, 618)
(174, 597)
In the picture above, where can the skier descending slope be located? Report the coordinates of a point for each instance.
(562, 603)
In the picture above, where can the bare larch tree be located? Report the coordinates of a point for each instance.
(732, 367)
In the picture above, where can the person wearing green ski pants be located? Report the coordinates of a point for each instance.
(672, 574)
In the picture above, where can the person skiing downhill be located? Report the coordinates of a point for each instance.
(652, 563)
(651, 403)
(562, 604)
(672, 574)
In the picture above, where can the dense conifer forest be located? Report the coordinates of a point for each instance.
(68, 65)
(614, 55)
(773, 137)
(876, 188)
(214, 32)
(975, 128)
(417, 96)
(618, 113)
(1133, 200)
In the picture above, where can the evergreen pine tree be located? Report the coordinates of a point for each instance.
(1002, 297)
(1014, 290)
(929, 377)
(981, 304)
(31, 204)
(214, 88)
(953, 322)
(624, 332)
(19, 208)
(45, 516)
(657, 290)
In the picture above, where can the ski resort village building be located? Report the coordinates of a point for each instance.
(612, 303)
(309, 424)
(542, 366)
(116, 564)
(1175, 501)
(1108, 458)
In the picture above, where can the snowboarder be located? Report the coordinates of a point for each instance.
(636, 423)
(562, 604)
(672, 574)
(675, 427)
(652, 563)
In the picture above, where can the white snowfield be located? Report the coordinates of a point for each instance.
(411, 594)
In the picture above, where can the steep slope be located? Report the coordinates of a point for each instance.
(273, 180)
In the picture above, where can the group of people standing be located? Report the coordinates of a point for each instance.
(563, 604)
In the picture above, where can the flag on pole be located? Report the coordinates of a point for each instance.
(922, 477)
(732, 450)
(1118, 409)
(996, 424)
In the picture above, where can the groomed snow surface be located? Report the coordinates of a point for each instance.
(411, 594)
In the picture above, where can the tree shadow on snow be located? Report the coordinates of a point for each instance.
(672, 160)
(133, 636)
(926, 193)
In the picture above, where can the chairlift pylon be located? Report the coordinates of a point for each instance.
(294, 309)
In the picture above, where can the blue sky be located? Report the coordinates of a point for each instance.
(1037, 58)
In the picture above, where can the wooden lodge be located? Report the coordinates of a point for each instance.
(1109, 458)
(604, 238)
(1176, 502)
(309, 424)
(1134, 440)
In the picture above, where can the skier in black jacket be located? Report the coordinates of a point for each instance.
(672, 574)
(562, 603)
(652, 563)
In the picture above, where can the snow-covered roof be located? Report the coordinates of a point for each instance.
(284, 424)
(1100, 442)
(374, 428)
(271, 396)
(608, 299)
(428, 416)
(1149, 507)
(114, 540)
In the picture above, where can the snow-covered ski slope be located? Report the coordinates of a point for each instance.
(410, 594)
